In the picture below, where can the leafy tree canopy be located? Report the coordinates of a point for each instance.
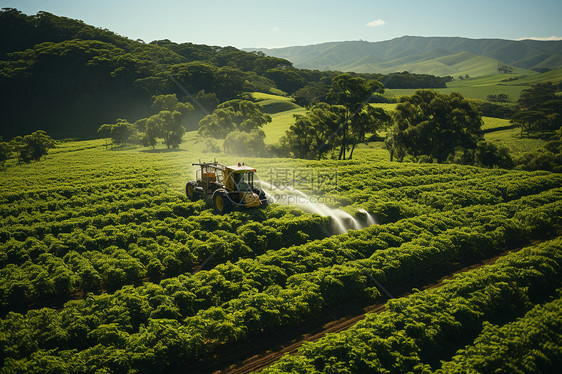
(433, 124)
(242, 115)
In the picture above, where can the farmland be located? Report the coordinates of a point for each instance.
(368, 223)
(480, 87)
(107, 266)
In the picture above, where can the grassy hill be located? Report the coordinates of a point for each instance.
(433, 55)
(494, 84)
(461, 63)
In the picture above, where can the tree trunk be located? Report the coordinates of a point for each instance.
(352, 149)
(343, 143)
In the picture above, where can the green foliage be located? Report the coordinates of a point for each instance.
(287, 80)
(548, 157)
(82, 74)
(245, 143)
(28, 148)
(500, 98)
(489, 155)
(5, 151)
(354, 93)
(121, 133)
(524, 345)
(435, 125)
(314, 135)
(241, 115)
(415, 332)
(539, 109)
(97, 227)
(505, 69)
(170, 103)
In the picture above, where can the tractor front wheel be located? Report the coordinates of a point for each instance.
(221, 202)
(190, 191)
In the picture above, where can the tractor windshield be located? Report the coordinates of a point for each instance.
(244, 181)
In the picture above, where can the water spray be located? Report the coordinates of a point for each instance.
(342, 221)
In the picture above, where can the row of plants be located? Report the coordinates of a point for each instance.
(415, 333)
(526, 345)
(119, 230)
(90, 259)
(188, 318)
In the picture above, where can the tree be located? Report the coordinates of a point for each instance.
(367, 121)
(314, 135)
(170, 103)
(152, 130)
(242, 115)
(121, 131)
(35, 146)
(171, 128)
(530, 121)
(490, 155)
(432, 124)
(353, 93)
(533, 98)
(311, 94)
(287, 80)
(538, 109)
(245, 143)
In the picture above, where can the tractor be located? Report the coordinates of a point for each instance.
(226, 188)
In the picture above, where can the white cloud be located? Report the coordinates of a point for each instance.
(375, 23)
(550, 38)
(275, 28)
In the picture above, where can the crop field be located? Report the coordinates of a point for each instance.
(106, 266)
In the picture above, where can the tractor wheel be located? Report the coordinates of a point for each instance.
(263, 198)
(221, 202)
(190, 191)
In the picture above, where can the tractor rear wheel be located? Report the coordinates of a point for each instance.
(221, 202)
(190, 191)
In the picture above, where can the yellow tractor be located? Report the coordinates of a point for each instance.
(226, 188)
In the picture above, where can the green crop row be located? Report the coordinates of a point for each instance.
(106, 234)
(83, 258)
(415, 333)
(188, 318)
(531, 344)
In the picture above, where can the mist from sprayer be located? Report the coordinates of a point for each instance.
(342, 221)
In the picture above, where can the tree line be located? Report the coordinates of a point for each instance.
(82, 76)
(425, 126)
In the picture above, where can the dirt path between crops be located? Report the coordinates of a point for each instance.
(263, 350)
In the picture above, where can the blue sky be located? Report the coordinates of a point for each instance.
(255, 23)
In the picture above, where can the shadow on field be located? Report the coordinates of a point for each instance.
(166, 150)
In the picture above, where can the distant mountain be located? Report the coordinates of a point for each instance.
(424, 55)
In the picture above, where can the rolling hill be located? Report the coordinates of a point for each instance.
(425, 55)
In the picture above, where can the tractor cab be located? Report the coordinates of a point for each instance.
(226, 187)
(239, 178)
